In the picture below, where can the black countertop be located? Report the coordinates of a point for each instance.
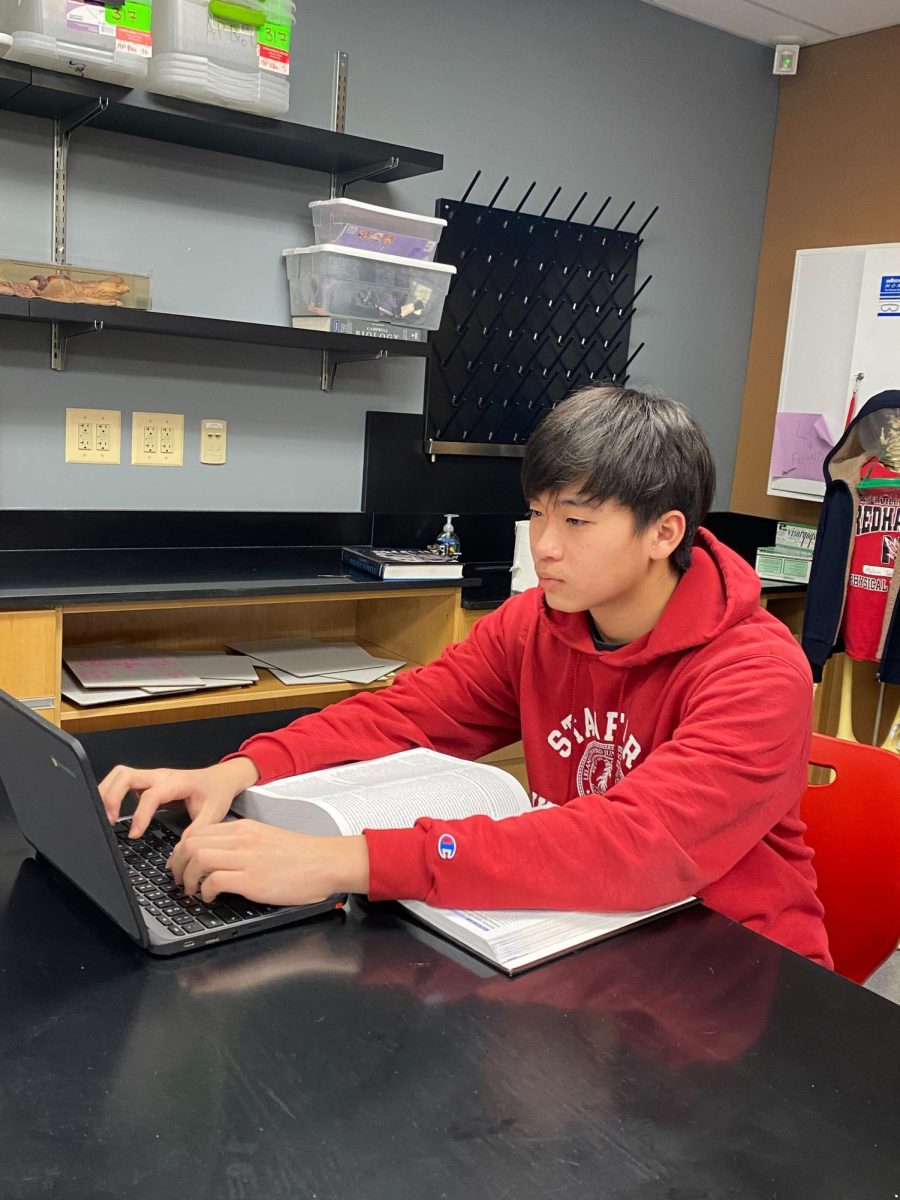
(362, 1058)
(38, 578)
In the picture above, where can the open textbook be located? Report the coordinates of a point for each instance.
(393, 792)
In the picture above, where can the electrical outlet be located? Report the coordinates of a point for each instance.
(213, 436)
(157, 439)
(93, 435)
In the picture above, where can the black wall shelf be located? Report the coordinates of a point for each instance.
(84, 318)
(35, 92)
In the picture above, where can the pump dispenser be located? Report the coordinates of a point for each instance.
(447, 539)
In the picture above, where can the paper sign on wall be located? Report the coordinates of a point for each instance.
(801, 442)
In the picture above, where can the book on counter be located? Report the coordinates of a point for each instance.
(401, 564)
(360, 327)
(392, 793)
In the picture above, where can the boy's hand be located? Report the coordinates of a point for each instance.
(207, 793)
(268, 864)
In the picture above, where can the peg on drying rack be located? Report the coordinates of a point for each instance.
(528, 192)
(468, 190)
(647, 222)
(581, 200)
(550, 202)
(618, 224)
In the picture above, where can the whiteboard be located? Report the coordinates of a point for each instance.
(833, 333)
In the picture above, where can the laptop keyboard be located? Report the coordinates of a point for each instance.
(159, 895)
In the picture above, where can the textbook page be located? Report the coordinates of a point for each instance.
(514, 939)
(385, 793)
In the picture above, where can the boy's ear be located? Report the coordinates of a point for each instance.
(667, 534)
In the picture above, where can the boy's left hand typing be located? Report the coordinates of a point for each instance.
(268, 864)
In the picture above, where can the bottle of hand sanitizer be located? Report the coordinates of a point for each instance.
(447, 539)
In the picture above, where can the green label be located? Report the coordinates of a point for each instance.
(277, 37)
(129, 15)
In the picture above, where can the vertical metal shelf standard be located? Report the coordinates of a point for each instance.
(338, 184)
(63, 128)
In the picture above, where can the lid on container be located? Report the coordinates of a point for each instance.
(237, 12)
(361, 208)
(280, 11)
(351, 252)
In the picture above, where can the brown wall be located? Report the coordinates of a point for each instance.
(835, 181)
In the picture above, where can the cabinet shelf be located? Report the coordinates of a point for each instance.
(36, 92)
(78, 318)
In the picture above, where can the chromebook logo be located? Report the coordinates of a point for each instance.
(54, 762)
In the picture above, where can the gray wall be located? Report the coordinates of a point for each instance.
(610, 95)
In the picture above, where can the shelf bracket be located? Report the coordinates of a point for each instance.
(331, 359)
(60, 334)
(62, 134)
(347, 178)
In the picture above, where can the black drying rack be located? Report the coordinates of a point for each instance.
(539, 306)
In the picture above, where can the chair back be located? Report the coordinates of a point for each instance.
(853, 827)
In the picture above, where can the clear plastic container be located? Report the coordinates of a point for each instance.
(67, 284)
(342, 222)
(217, 52)
(102, 42)
(342, 282)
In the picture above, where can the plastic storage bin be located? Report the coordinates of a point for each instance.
(343, 222)
(232, 54)
(113, 44)
(340, 281)
(67, 284)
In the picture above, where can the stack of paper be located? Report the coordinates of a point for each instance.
(309, 660)
(94, 675)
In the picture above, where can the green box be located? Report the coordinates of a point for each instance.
(790, 533)
(786, 563)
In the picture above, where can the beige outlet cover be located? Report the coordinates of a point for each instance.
(157, 439)
(93, 435)
(213, 441)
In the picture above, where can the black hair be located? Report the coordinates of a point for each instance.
(643, 450)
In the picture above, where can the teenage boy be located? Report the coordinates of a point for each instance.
(665, 716)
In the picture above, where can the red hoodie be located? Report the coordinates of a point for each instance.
(673, 766)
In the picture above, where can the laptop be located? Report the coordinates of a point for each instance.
(55, 800)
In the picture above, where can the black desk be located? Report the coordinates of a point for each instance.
(351, 1059)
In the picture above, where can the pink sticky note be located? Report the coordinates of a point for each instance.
(799, 447)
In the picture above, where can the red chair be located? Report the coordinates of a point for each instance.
(853, 826)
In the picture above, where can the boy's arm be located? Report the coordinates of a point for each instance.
(464, 703)
(677, 822)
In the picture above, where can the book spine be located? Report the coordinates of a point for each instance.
(377, 329)
(362, 564)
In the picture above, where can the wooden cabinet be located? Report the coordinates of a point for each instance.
(30, 652)
(412, 624)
